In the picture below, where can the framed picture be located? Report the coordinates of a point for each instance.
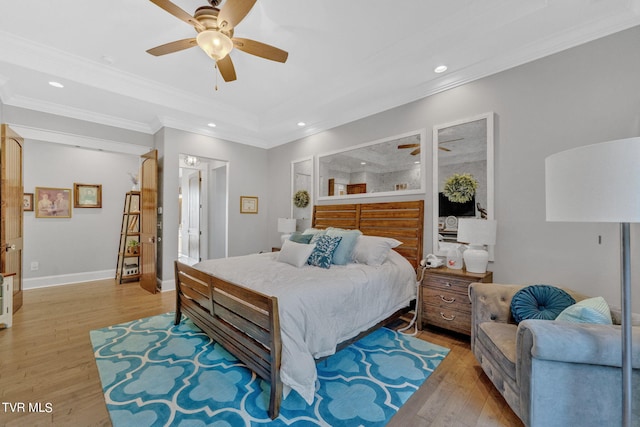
(248, 204)
(27, 202)
(87, 195)
(53, 202)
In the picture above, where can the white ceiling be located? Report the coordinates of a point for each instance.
(347, 59)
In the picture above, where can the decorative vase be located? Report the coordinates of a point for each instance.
(454, 258)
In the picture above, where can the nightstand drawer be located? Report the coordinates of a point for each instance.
(446, 299)
(447, 283)
(448, 319)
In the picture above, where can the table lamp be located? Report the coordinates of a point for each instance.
(286, 226)
(601, 183)
(477, 233)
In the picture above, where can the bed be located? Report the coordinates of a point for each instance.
(279, 319)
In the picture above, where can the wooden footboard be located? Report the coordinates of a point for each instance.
(243, 321)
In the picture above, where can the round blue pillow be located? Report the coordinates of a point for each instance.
(539, 302)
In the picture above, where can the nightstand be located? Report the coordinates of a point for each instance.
(444, 298)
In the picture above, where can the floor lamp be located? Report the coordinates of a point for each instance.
(601, 183)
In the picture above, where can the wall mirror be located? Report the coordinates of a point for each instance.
(464, 147)
(386, 167)
(301, 192)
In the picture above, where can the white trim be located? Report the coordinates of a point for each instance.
(67, 279)
(28, 132)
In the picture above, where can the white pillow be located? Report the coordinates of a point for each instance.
(294, 253)
(373, 250)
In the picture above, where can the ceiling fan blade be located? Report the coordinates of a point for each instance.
(227, 70)
(408, 146)
(416, 151)
(232, 12)
(175, 46)
(178, 13)
(260, 49)
(451, 140)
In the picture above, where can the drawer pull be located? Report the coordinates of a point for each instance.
(448, 301)
(447, 318)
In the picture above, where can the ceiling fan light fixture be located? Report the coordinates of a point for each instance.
(215, 44)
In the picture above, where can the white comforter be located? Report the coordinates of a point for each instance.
(320, 308)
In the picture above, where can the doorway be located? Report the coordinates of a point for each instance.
(203, 201)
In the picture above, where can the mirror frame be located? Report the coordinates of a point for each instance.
(311, 188)
(489, 117)
(423, 171)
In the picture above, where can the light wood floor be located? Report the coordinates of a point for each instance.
(46, 360)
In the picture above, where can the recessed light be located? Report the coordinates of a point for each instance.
(211, 125)
(363, 163)
(56, 84)
(301, 124)
(440, 69)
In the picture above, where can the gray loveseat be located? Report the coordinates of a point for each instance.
(552, 373)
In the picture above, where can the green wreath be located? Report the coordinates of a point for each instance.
(460, 188)
(301, 199)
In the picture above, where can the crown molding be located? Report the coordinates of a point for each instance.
(64, 138)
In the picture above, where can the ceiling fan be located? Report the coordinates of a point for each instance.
(417, 146)
(414, 152)
(215, 34)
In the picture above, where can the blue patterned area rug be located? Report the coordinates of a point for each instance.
(156, 374)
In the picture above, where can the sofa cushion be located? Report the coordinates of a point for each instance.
(590, 310)
(499, 339)
(539, 302)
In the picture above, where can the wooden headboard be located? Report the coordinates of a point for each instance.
(403, 221)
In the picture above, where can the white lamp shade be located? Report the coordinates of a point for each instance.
(595, 183)
(477, 231)
(286, 225)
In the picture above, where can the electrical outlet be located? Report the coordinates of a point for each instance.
(34, 265)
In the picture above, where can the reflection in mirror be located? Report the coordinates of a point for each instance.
(381, 168)
(301, 182)
(462, 155)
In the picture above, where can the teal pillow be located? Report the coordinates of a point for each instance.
(591, 310)
(323, 251)
(343, 253)
(301, 238)
(539, 302)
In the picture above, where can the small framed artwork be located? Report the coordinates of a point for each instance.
(27, 202)
(87, 195)
(248, 204)
(53, 202)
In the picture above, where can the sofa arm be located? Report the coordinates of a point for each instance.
(573, 343)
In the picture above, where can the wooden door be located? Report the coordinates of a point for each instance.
(148, 220)
(11, 191)
(193, 225)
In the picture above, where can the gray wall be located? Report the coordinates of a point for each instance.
(85, 246)
(248, 176)
(585, 95)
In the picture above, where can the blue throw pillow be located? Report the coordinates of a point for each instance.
(539, 302)
(343, 253)
(301, 238)
(323, 252)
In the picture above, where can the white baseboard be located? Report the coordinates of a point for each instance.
(67, 279)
